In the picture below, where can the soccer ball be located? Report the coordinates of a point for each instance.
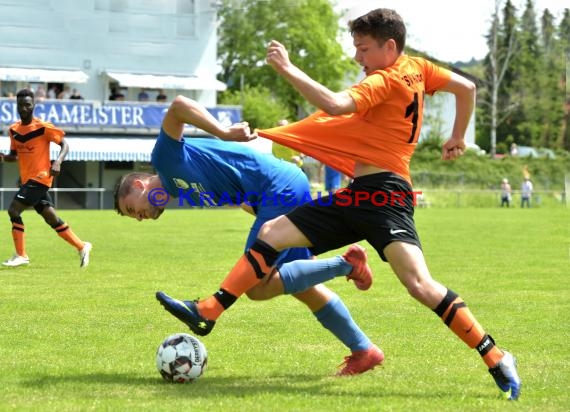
(181, 358)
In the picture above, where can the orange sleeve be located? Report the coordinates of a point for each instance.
(53, 133)
(11, 135)
(436, 77)
(370, 92)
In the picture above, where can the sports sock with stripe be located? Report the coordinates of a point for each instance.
(455, 314)
(65, 232)
(256, 263)
(19, 236)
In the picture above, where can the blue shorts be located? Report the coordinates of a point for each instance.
(297, 188)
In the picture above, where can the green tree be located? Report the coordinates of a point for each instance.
(496, 102)
(540, 81)
(523, 99)
(530, 79)
(309, 29)
(260, 108)
(564, 38)
(552, 99)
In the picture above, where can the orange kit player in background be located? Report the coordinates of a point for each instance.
(30, 144)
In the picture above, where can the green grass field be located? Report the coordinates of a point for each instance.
(74, 340)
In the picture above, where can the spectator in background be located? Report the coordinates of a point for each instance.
(526, 192)
(514, 149)
(116, 94)
(143, 96)
(75, 95)
(40, 93)
(297, 159)
(333, 179)
(161, 97)
(65, 93)
(52, 92)
(505, 193)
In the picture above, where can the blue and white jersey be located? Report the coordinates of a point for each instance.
(213, 172)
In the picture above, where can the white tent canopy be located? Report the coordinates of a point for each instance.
(107, 149)
(117, 149)
(154, 81)
(103, 149)
(42, 75)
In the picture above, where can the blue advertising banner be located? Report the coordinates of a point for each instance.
(108, 114)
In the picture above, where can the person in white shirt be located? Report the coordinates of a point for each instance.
(526, 192)
(505, 193)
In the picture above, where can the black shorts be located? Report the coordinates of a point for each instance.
(34, 194)
(378, 208)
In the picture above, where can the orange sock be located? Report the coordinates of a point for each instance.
(489, 352)
(455, 314)
(18, 235)
(210, 308)
(65, 232)
(248, 272)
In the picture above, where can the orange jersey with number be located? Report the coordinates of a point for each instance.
(32, 142)
(383, 131)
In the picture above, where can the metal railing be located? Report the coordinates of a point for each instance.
(440, 198)
(457, 198)
(55, 191)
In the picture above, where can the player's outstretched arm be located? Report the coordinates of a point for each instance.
(315, 93)
(187, 111)
(238, 132)
(465, 93)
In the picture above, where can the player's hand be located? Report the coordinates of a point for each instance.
(277, 55)
(55, 168)
(453, 148)
(240, 132)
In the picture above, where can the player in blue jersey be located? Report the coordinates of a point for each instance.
(210, 172)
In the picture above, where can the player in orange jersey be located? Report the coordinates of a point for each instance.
(30, 144)
(369, 132)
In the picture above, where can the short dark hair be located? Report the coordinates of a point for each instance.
(25, 93)
(125, 185)
(381, 25)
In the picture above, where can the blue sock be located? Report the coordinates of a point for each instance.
(299, 275)
(335, 317)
